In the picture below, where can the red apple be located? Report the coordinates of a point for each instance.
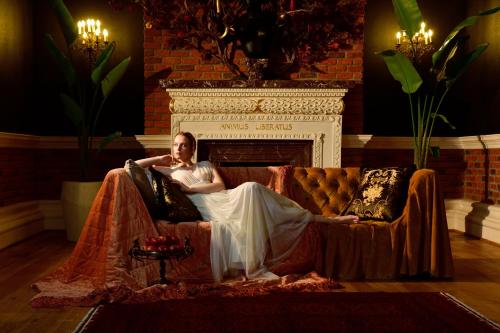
(151, 248)
(162, 239)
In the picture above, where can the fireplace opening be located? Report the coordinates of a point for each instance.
(256, 152)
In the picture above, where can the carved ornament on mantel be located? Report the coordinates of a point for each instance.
(261, 100)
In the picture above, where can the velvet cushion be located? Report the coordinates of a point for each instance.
(381, 194)
(175, 206)
(143, 183)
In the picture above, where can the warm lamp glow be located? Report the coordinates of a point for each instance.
(91, 38)
(89, 32)
(416, 46)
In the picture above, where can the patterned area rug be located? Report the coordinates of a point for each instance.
(286, 311)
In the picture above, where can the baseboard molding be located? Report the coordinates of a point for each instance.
(52, 214)
(368, 141)
(19, 221)
(474, 218)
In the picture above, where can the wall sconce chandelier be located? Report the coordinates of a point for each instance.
(92, 38)
(417, 46)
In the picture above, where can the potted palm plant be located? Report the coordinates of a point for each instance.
(449, 62)
(83, 102)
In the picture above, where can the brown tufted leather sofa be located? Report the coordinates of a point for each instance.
(414, 244)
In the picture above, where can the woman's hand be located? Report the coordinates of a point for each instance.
(162, 160)
(166, 160)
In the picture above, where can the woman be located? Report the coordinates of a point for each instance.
(247, 221)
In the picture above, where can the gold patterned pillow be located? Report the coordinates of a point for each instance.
(175, 205)
(381, 194)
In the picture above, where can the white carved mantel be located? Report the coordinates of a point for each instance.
(263, 114)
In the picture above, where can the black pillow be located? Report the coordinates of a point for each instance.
(381, 194)
(141, 180)
(175, 206)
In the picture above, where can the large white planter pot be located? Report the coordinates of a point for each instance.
(76, 200)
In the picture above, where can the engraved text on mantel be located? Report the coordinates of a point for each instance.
(274, 127)
(258, 127)
(234, 126)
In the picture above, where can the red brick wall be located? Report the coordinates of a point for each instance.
(482, 176)
(187, 64)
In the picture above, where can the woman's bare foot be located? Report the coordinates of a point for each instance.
(347, 219)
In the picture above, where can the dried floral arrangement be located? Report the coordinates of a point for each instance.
(292, 34)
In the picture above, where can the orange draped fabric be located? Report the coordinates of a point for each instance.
(100, 270)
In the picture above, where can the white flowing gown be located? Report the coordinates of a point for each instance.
(248, 223)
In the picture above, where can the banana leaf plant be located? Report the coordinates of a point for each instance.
(86, 94)
(449, 62)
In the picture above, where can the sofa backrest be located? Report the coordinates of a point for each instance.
(325, 191)
(273, 177)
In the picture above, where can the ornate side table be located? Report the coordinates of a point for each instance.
(176, 254)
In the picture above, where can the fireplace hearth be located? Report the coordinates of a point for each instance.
(256, 152)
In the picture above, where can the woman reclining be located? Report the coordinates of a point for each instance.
(248, 223)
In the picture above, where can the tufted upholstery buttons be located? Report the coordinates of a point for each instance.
(324, 191)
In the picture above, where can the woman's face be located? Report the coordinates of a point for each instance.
(182, 149)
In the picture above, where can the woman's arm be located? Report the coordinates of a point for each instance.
(216, 185)
(164, 160)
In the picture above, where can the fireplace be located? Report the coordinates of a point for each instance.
(256, 152)
(275, 123)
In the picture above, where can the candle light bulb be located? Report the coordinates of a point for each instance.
(422, 27)
(398, 37)
(105, 34)
(430, 33)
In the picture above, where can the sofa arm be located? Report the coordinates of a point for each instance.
(117, 217)
(424, 228)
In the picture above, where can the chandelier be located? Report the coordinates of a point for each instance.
(91, 39)
(416, 46)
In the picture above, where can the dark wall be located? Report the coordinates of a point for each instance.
(16, 74)
(482, 83)
(37, 110)
(385, 105)
(472, 105)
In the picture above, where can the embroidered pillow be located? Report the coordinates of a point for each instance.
(381, 194)
(175, 205)
(140, 177)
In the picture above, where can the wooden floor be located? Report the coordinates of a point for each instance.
(477, 281)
